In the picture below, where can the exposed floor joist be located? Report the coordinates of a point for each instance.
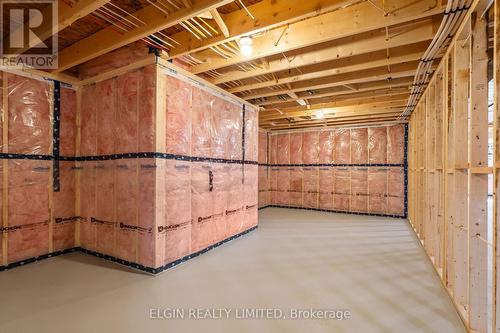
(107, 40)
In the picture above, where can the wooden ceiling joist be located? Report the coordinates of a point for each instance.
(327, 117)
(364, 43)
(269, 13)
(349, 21)
(353, 97)
(220, 22)
(369, 102)
(357, 121)
(374, 74)
(402, 83)
(107, 39)
(354, 64)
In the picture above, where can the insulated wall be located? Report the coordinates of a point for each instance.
(38, 193)
(209, 176)
(358, 170)
(146, 168)
(168, 167)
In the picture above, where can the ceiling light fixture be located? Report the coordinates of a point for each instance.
(320, 114)
(246, 46)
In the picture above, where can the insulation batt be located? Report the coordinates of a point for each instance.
(349, 188)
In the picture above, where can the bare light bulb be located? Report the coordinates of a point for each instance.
(246, 46)
(320, 114)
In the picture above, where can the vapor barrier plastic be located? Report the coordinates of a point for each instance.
(40, 219)
(353, 170)
(167, 168)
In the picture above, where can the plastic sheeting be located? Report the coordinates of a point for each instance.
(138, 208)
(362, 170)
(39, 219)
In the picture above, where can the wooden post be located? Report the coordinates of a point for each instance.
(478, 182)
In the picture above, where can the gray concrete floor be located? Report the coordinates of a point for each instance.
(374, 267)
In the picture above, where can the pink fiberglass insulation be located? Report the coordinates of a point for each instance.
(395, 144)
(311, 148)
(273, 185)
(221, 185)
(251, 135)
(147, 108)
(150, 211)
(342, 189)
(283, 186)
(234, 125)
(310, 187)
(296, 148)
(28, 209)
(377, 145)
(30, 119)
(273, 149)
(176, 227)
(235, 205)
(262, 147)
(250, 197)
(342, 142)
(88, 205)
(283, 149)
(326, 145)
(377, 187)
(104, 213)
(64, 199)
(203, 232)
(359, 146)
(326, 188)
(201, 134)
(396, 191)
(219, 132)
(113, 60)
(296, 178)
(105, 117)
(178, 122)
(349, 188)
(263, 186)
(359, 190)
(127, 115)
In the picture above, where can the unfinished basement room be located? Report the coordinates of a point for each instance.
(249, 166)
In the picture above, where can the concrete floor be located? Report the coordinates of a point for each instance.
(374, 267)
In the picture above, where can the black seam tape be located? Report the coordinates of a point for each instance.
(140, 267)
(124, 156)
(333, 211)
(56, 125)
(334, 165)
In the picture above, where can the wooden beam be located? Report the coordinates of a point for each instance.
(341, 121)
(107, 39)
(349, 21)
(354, 97)
(354, 64)
(375, 74)
(187, 3)
(67, 15)
(220, 22)
(346, 115)
(371, 41)
(329, 92)
(269, 13)
(396, 101)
